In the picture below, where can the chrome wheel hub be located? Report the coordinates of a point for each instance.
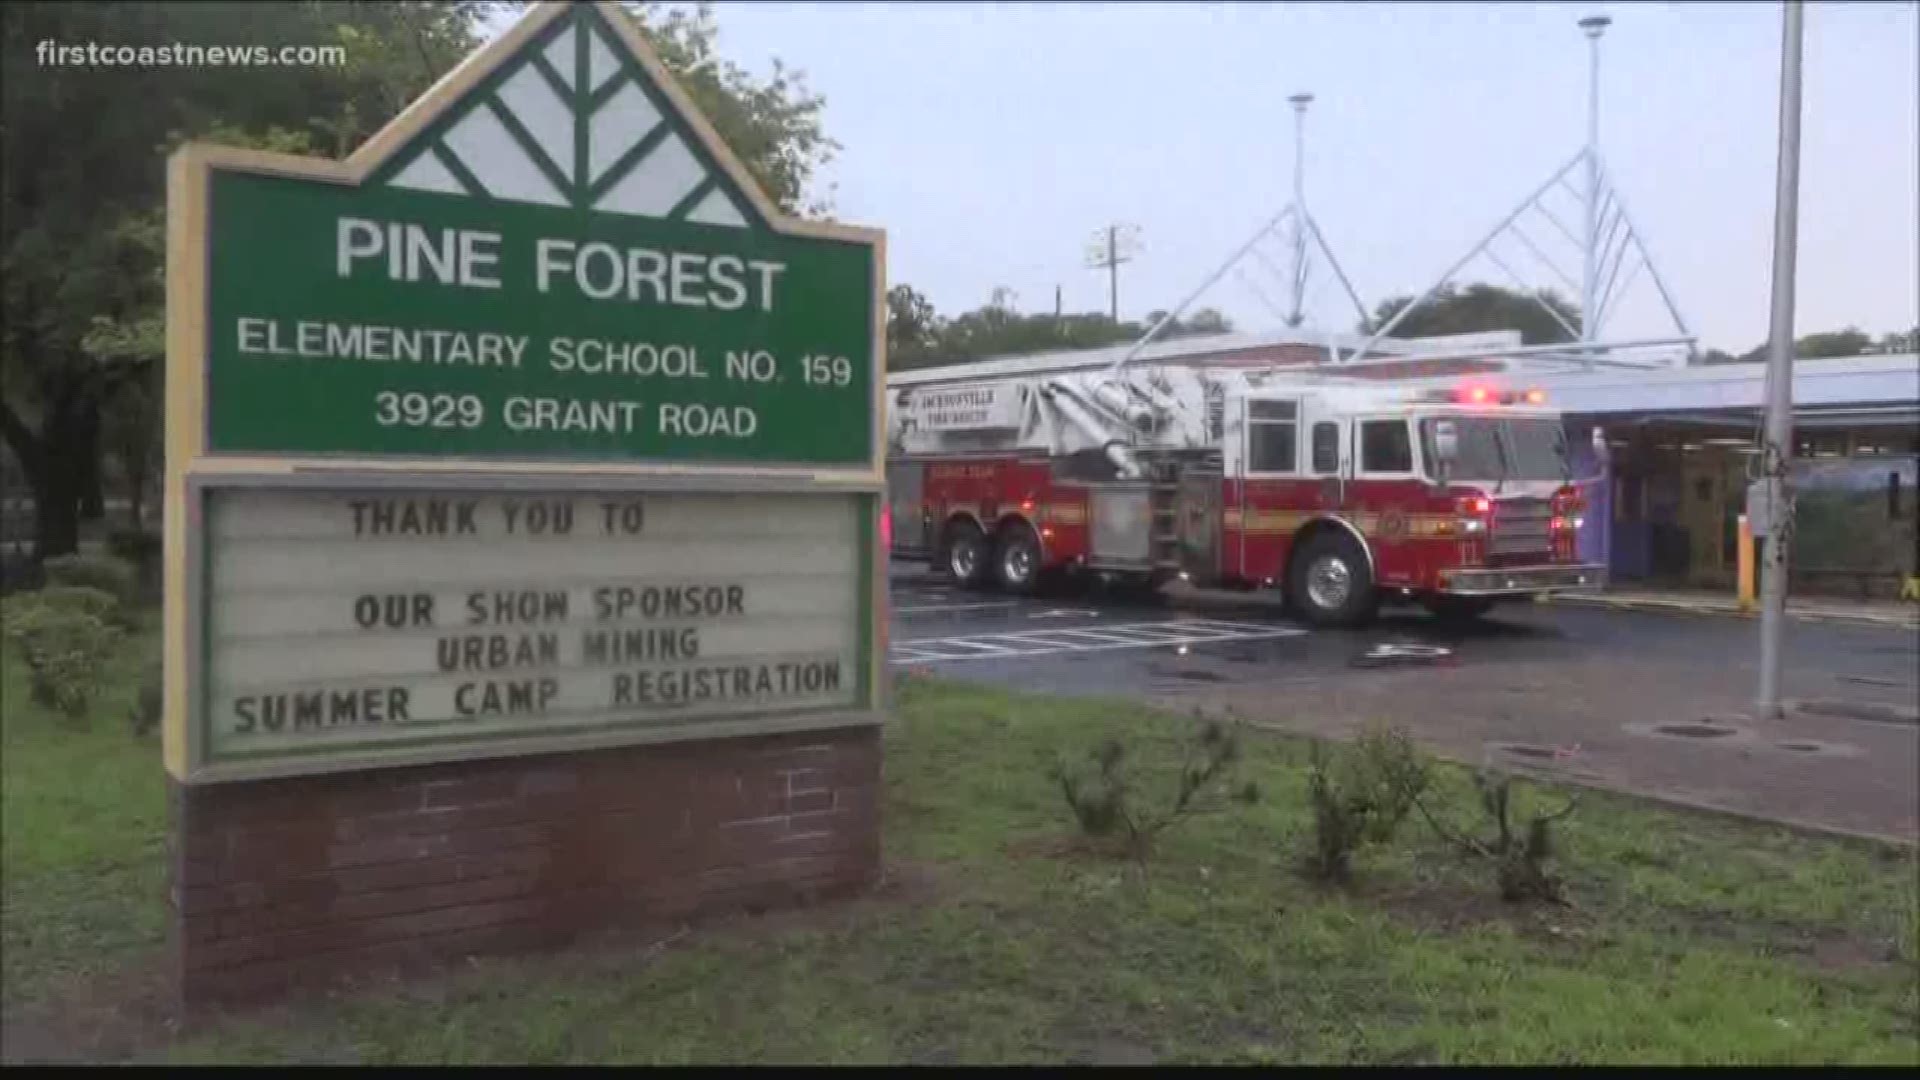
(964, 558)
(1329, 583)
(1018, 563)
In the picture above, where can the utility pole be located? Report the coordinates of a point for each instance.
(1777, 451)
(1111, 246)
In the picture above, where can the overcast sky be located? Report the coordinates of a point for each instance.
(991, 140)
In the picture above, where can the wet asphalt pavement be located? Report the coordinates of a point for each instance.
(1086, 643)
(1576, 690)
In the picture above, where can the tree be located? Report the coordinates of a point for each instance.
(1901, 343)
(918, 337)
(1481, 307)
(1834, 345)
(1831, 343)
(82, 185)
(773, 126)
(1203, 321)
(913, 328)
(81, 188)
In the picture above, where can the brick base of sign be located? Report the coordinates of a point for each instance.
(301, 883)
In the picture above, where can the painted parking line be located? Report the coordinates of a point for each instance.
(919, 609)
(1045, 642)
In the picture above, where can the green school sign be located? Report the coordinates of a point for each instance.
(532, 425)
(556, 267)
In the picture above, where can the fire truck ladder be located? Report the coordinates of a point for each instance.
(1163, 500)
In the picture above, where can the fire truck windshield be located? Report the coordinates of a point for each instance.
(1494, 449)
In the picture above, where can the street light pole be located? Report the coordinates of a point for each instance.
(1777, 452)
(1594, 25)
(1297, 287)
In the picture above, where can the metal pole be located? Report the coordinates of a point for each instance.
(1646, 256)
(1464, 260)
(1299, 284)
(1181, 308)
(1113, 271)
(1777, 452)
(1327, 250)
(1594, 25)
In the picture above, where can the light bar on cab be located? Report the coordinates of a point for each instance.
(1486, 395)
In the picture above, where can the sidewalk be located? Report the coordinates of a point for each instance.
(1899, 613)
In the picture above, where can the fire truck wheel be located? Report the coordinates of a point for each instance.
(965, 555)
(1331, 584)
(1016, 559)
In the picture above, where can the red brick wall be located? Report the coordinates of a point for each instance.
(296, 883)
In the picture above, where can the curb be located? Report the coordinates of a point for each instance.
(1691, 608)
(1907, 844)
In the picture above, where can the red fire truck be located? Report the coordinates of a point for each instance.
(1338, 491)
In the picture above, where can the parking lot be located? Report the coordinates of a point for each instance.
(1648, 702)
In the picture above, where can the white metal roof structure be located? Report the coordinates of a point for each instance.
(1859, 389)
(1197, 351)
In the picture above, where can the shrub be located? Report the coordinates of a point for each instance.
(135, 546)
(1519, 856)
(145, 715)
(100, 605)
(1101, 799)
(113, 576)
(141, 550)
(1361, 796)
(64, 642)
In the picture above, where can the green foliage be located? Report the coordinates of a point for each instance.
(1826, 345)
(913, 328)
(109, 574)
(81, 237)
(136, 546)
(1693, 947)
(772, 125)
(144, 716)
(1831, 343)
(1101, 799)
(1519, 855)
(1361, 796)
(80, 229)
(93, 602)
(917, 336)
(1481, 307)
(64, 635)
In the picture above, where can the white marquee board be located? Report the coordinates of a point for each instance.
(373, 625)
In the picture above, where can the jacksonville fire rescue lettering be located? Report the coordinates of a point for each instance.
(447, 613)
(991, 405)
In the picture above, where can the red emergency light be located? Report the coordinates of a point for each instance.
(1484, 395)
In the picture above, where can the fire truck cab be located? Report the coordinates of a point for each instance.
(1337, 491)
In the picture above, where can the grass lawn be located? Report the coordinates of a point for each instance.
(1691, 938)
